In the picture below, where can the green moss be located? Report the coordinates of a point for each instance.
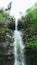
(32, 44)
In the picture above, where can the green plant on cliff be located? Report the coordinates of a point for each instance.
(5, 18)
(29, 21)
(30, 43)
(4, 15)
(32, 16)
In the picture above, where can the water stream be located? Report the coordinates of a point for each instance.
(18, 47)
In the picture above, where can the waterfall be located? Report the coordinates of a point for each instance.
(18, 47)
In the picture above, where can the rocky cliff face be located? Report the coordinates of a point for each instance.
(6, 45)
(31, 56)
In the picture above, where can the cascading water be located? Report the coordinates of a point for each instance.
(18, 47)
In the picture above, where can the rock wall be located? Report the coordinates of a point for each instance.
(31, 56)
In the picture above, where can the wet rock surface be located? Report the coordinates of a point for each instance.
(6, 59)
(31, 56)
(6, 48)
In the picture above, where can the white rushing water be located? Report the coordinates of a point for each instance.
(18, 47)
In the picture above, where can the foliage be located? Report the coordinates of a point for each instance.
(5, 19)
(3, 15)
(29, 21)
(30, 43)
(32, 16)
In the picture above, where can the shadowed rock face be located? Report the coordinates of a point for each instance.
(31, 56)
(20, 26)
(6, 48)
(6, 59)
(11, 25)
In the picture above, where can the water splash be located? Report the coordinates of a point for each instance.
(18, 47)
